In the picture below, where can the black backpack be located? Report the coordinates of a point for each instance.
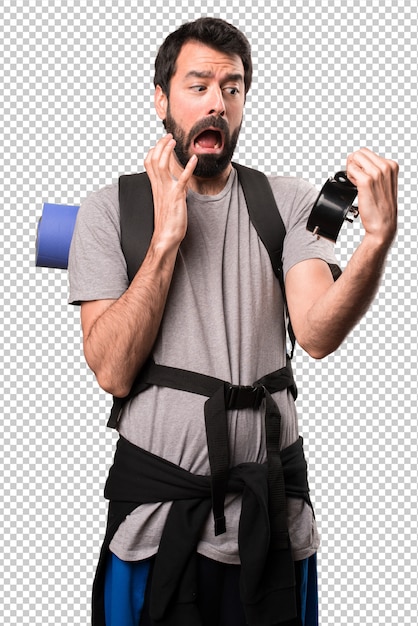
(137, 220)
(137, 225)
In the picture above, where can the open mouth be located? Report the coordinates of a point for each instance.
(209, 139)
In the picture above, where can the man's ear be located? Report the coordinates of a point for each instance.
(160, 102)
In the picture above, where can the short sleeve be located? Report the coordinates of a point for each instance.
(97, 267)
(295, 199)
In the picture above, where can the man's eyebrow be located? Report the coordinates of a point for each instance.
(237, 77)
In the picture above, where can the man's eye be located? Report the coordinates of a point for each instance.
(233, 91)
(198, 87)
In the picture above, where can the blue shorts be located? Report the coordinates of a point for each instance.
(126, 597)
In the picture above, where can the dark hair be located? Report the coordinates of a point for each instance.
(212, 32)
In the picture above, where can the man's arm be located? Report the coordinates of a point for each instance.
(118, 335)
(324, 312)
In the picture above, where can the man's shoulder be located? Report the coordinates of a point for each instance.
(100, 206)
(292, 184)
(106, 194)
(294, 197)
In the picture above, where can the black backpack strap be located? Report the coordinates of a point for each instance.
(264, 215)
(269, 225)
(136, 219)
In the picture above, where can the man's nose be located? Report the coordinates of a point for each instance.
(216, 103)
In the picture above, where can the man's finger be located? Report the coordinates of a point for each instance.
(188, 170)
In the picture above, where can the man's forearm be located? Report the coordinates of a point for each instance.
(121, 338)
(333, 316)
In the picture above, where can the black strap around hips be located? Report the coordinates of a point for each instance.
(223, 396)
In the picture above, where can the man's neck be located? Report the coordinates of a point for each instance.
(210, 186)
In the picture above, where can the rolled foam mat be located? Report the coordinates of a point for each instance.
(54, 234)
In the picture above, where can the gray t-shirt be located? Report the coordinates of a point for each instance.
(224, 317)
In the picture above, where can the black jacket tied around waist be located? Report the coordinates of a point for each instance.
(267, 573)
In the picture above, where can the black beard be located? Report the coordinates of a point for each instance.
(208, 165)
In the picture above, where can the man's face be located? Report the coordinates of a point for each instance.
(204, 108)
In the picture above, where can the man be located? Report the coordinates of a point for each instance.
(205, 300)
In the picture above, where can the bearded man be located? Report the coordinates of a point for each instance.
(186, 545)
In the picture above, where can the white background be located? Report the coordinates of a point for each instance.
(76, 91)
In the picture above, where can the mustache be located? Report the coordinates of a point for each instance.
(212, 121)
